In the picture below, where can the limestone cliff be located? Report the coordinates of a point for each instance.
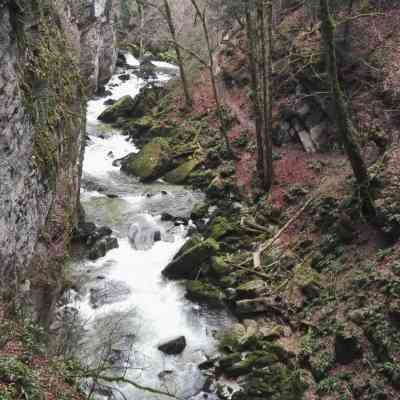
(53, 53)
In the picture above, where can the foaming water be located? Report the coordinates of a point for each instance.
(124, 303)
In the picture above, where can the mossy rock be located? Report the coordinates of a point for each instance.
(253, 360)
(219, 267)
(233, 338)
(188, 264)
(180, 174)
(220, 227)
(276, 383)
(123, 108)
(192, 242)
(151, 162)
(251, 289)
(203, 292)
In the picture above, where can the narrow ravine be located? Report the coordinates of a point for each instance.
(125, 306)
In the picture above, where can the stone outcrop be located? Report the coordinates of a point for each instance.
(45, 65)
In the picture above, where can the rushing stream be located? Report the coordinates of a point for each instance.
(135, 309)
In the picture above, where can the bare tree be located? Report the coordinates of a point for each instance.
(343, 121)
(202, 15)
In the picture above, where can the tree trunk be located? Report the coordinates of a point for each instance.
(220, 113)
(252, 48)
(343, 122)
(185, 86)
(266, 95)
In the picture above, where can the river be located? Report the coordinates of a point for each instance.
(140, 309)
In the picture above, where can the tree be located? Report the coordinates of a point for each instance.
(343, 122)
(171, 26)
(165, 12)
(202, 15)
(253, 67)
(265, 34)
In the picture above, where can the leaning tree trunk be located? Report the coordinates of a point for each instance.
(343, 122)
(265, 66)
(171, 26)
(253, 67)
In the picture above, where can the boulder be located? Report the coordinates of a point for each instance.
(101, 247)
(151, 162)
(144, 231)
(108, 292)
(173, 346)
(123, 108)
(188, 264)
(251, 289)
(256, 306)
(180, 174)
(203, 292)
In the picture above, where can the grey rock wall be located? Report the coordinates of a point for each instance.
(37, 213)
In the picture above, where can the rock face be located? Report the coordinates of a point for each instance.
(42, 120)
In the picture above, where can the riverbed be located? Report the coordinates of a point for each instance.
(140, 309)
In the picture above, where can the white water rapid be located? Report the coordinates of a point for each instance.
(140, 309)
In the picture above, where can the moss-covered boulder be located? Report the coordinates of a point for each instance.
(189, 263)
(252, 361)
(123, 108)
(233, 338)
(251, 289)
(180, 174)
(204, 292)
(220, 227)
(151, 162)
(219, 267)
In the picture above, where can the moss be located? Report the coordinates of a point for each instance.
(219, 267)
(151, 162)
(203, 292)
(52, 90)
(120, 109)
(189, 264)
(220, 227)
(180, 174)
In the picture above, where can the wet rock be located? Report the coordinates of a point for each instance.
(101, 247)
(179, 175)
(151, 162)
(251, 289)
(174, 346)
(123, 108)
(83, 231)
(203, 292)
(121, 60)
(109, 102)
(92, 186)
(124, 77)
(147, 70)
(144, 231)
(164, 374)
(257, 306)
(98, 234)
(188, 265)
(108, 292)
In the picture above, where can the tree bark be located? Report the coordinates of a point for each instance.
(220, 113)
(171, 26)
(343, 121)
(265, 65)
(253, 67)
